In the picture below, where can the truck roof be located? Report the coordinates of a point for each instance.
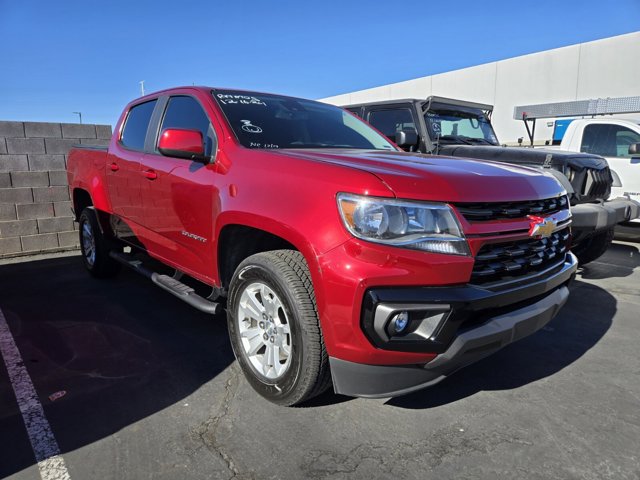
(207, 89)
(432, 98)
(386, 102)
(607, 119)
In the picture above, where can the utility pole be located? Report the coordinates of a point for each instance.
(79, 115)
(142, 87)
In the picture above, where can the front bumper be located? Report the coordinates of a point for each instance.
(591, 217)
(513, 319)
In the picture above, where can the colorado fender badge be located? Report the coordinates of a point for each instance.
(541, 227)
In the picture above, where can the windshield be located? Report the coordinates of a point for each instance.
(271, 121)
(449, 124)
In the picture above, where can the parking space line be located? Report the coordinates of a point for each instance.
(45, 447)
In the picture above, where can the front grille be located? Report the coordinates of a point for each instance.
(597, 183)
(503, 261)
(477, 212)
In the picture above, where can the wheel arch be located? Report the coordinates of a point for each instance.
(81, 199)
(230, 227)
(238, 240)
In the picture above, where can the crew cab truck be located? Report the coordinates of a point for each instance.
(459, 128)
(609, 127)
(340, 259)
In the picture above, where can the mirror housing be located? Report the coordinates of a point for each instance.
(406, 138)
(182, 143)
(634, 149)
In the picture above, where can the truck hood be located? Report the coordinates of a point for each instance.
(437, 178)
(527, 156)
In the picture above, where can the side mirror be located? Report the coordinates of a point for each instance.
(634, 149)
(406, 138)
(179, 143)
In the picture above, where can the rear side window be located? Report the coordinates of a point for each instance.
(135, 128)
(391, 121)
(186, 113)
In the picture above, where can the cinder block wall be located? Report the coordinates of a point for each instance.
(35, 207)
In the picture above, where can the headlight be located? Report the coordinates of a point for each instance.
(431, 227)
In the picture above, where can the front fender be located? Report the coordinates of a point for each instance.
(301, 243)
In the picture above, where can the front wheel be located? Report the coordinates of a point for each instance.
(274, 328)
(95, 247)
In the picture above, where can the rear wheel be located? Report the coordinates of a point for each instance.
(274, 328)
(95, 247)
(593, 247)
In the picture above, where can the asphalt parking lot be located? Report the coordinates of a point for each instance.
(136, 384)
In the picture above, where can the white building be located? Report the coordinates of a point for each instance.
(598, 69)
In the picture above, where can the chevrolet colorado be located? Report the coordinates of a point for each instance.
(340, 259)
(459, 128)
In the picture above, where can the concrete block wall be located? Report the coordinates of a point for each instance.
(35, 206)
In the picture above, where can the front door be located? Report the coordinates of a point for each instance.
(390, 120)
(612, 141)
(178, 196)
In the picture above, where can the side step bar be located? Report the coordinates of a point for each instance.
(171, 285)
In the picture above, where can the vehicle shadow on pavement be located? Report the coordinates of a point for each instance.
(120, 350)
(583, 321)
(620, 260)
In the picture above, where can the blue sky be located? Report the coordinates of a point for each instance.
(57, 57)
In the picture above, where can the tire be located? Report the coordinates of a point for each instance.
(95, 247)
(271, 294)
(593, 247)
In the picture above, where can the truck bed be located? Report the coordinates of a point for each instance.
(86, 168)
(90, 147)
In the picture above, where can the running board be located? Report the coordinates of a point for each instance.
(170, 284)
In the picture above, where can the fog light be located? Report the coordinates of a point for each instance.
(400, 321)
(406, 322)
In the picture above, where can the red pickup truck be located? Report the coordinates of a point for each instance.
(340, 259)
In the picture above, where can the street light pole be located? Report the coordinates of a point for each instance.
(79, 115)
(142, 87)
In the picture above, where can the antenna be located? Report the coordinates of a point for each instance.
(79, 115)
(141, 87)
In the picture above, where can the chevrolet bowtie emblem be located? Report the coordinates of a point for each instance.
(541, 227)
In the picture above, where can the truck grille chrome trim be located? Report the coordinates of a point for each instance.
(497, 262)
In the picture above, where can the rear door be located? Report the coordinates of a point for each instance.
(178, 195)
(123, 164)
